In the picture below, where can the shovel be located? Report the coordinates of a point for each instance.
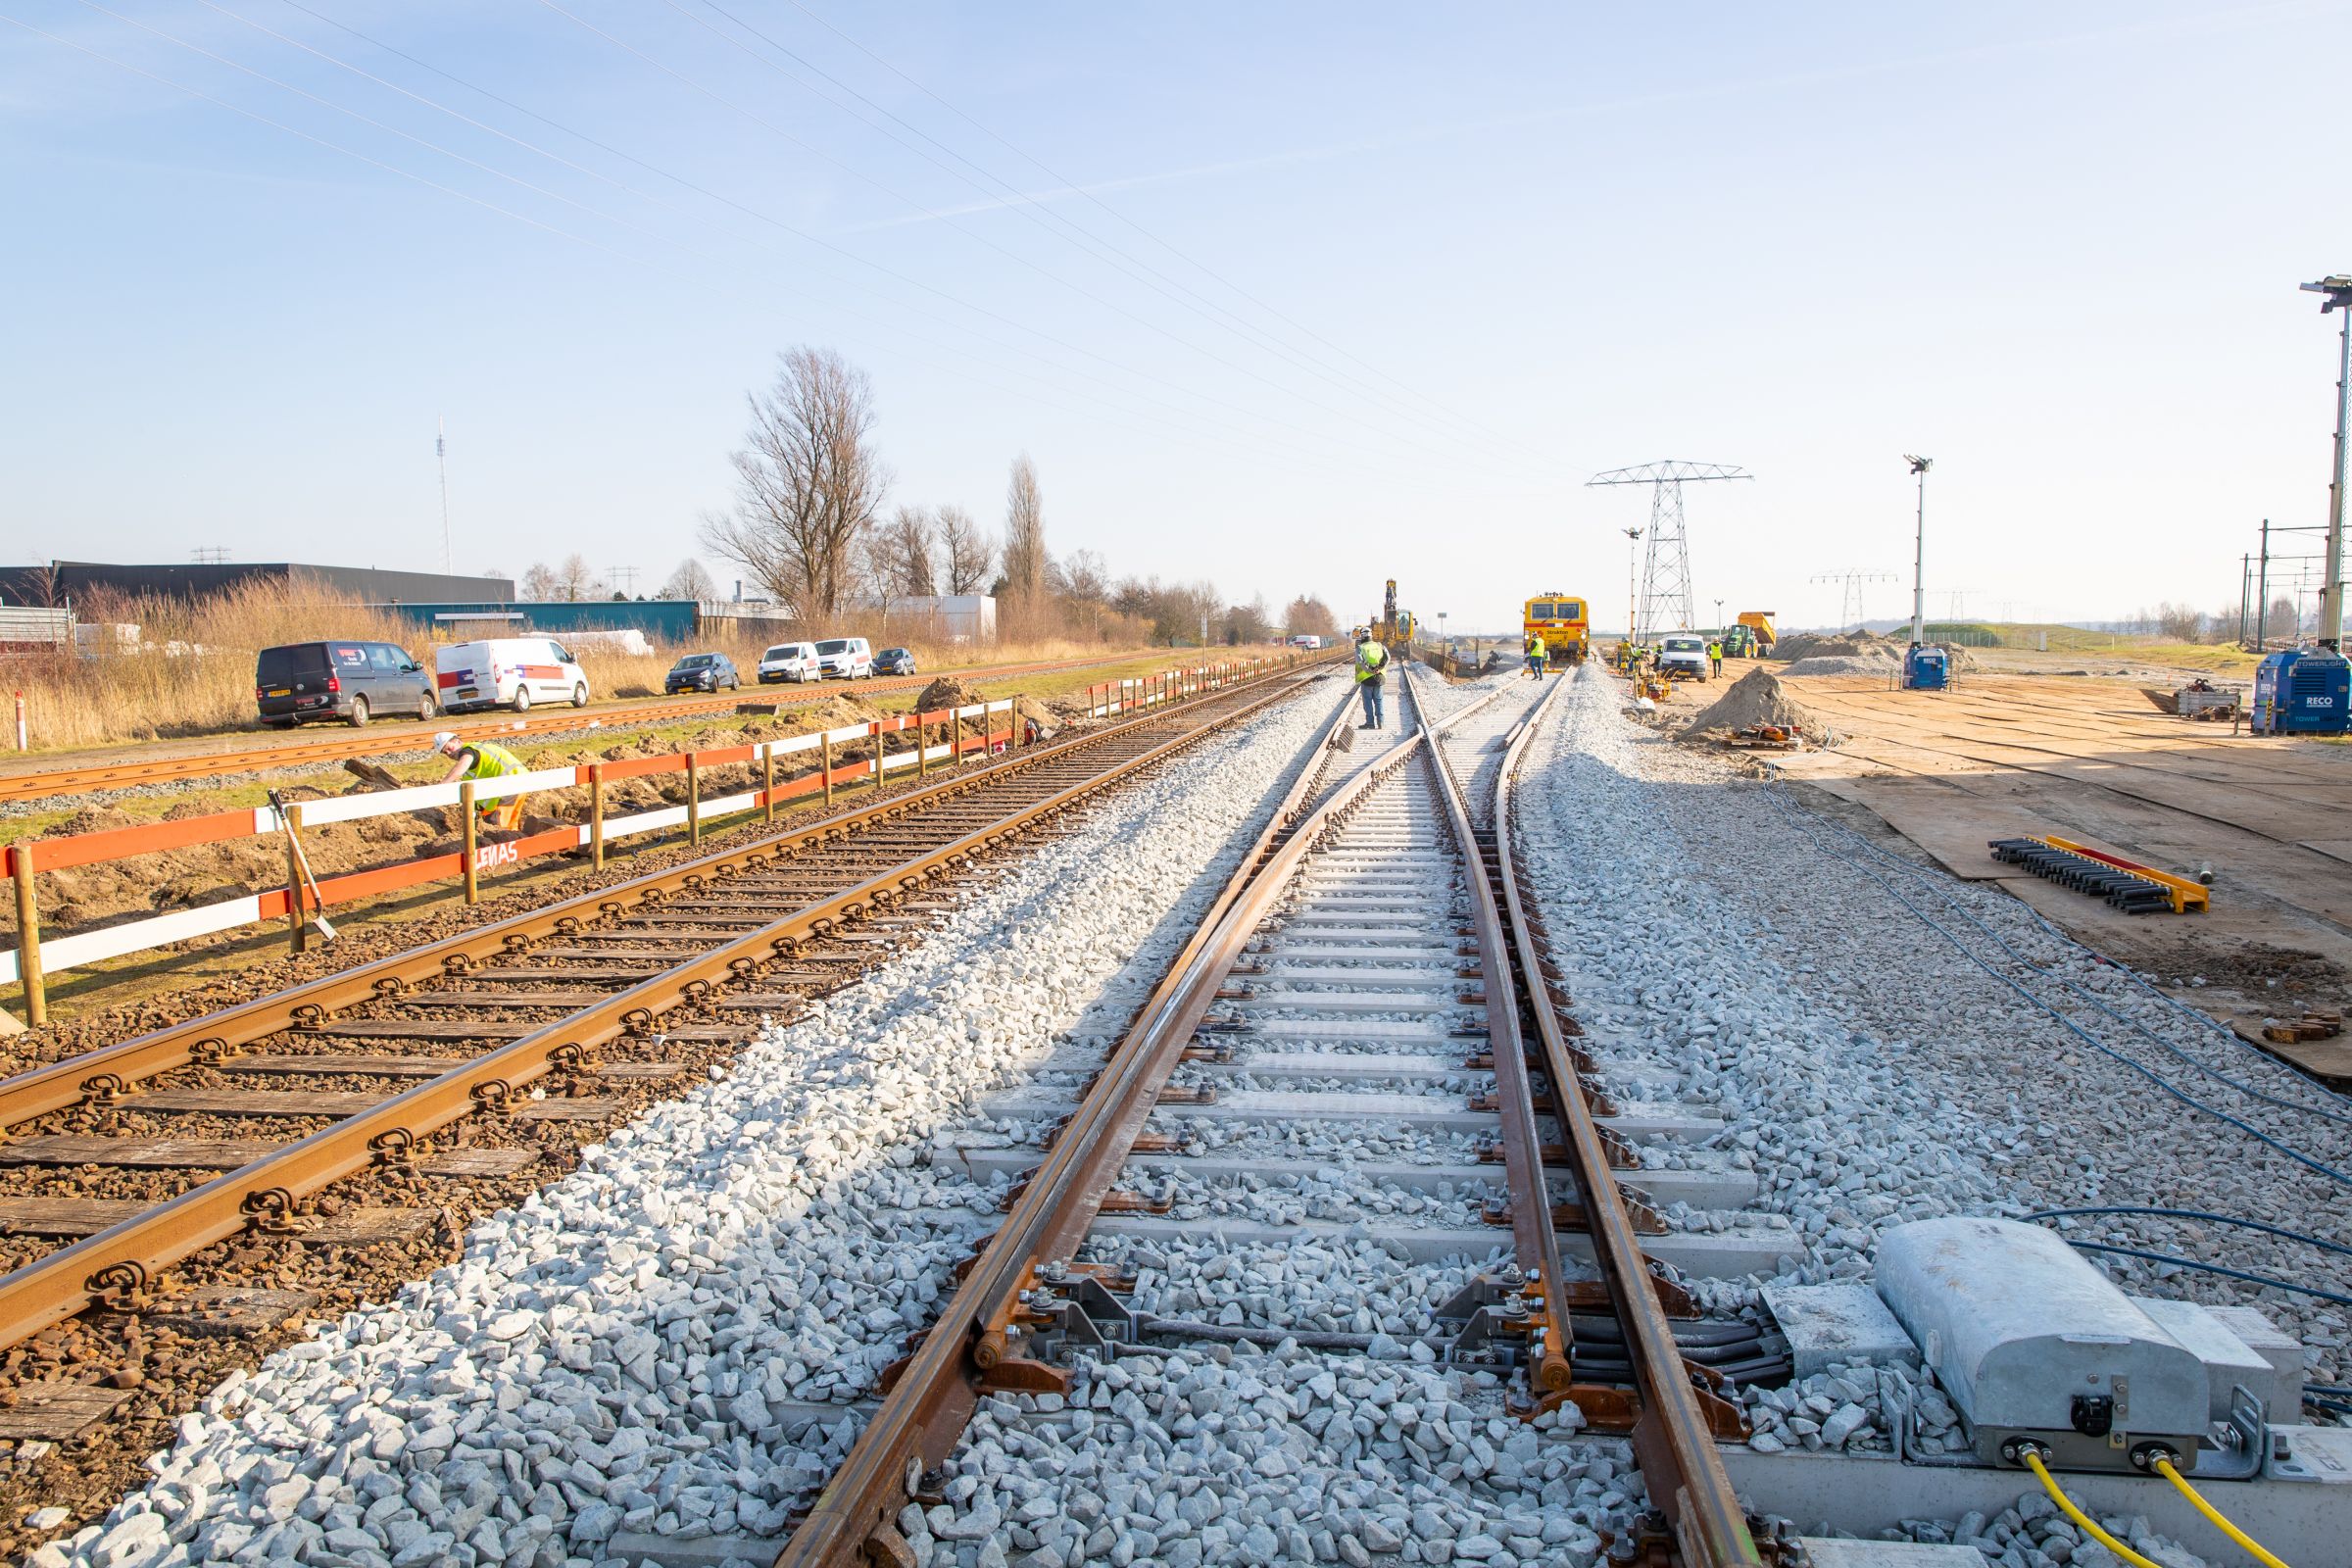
(301, 862)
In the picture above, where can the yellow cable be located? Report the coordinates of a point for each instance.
(2034, 1463)
(2164, 1468)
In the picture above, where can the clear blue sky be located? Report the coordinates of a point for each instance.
(1359, 290)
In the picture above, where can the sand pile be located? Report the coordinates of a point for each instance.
(1755, 698)
(1853, 653)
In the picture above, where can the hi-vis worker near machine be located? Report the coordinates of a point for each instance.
(1371, 671)
(482, 759)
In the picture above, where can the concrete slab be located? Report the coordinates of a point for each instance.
(1728, 1255)
(1279, 999)
(2297, 1509)
(1829, 1552)
(1700, 1189)
(1840, 1321)
(2229, 1362)
(1429, 1112)
(1370, 946)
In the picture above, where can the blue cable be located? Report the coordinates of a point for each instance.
(2195, 1213)
(2213, 1268)
(1927, 877)
(2182, 1095)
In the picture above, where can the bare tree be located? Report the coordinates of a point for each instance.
(1025, 563)
(540, 585)
(575, 580)
(692, 580)
(1308, 616)
(808, 484)
(1085, 583)
(967, 554)
(1248, 623)
(905, 554)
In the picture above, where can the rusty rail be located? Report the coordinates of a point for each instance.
(117, 1265)
(1673, 1439)
(977, 1344)
(1534, 1235)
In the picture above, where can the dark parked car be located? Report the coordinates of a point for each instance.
(702, 673)
(352, 681)
(894, 661)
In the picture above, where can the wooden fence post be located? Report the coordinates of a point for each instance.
(1014, 744)
(472, 841)
(694, 800)
(29, 936)
(922, 748)
(828, 755)
(293, 825)
(596, 814)
(768, 775)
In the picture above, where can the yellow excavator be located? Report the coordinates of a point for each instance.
(1394, 628)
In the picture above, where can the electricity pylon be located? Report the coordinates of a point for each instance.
(1852, 609)
(1665, 598)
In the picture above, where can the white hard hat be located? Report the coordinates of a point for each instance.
(442, 740)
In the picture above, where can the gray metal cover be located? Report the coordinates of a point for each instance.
(2015, 1325)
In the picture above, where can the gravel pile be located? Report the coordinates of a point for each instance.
(662, 1342)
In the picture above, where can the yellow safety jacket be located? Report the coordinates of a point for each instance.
(1371, 662)
(493, 760)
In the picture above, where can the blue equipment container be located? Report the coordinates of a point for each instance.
(2302, 691)
(1927, 669)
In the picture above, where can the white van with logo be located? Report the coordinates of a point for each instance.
(793, 661)
(508, 673)
(845, 659)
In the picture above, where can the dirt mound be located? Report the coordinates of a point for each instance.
(1870, 653)
(1755, 698)
(945, 691)
(1833, 645)
(1881, 664)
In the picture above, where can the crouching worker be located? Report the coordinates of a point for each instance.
(479, 760)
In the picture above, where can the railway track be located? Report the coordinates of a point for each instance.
(1353, 1073)
(133, 771)
(121, 1163)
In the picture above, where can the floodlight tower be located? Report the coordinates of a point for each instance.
(2336, 295)
(1666, 572)
(1919, 552)
(1632, 592)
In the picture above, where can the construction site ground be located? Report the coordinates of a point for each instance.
(2052, 745)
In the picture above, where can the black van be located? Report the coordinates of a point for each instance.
(352, 681)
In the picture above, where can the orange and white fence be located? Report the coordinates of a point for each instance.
(1107, 697)
(976, 730)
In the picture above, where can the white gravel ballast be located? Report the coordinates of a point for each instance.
(664, 1342)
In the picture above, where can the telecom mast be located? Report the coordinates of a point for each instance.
(1666, 570)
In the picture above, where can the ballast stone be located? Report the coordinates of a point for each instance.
(580, 1376)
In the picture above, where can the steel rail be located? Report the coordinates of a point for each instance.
(55, 1086)
(1534, 1235)
(119, 1264)
(976, 1343)
(1674, 1443)
(260, 759)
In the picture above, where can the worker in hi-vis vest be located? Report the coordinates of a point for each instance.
(483, 760)
(1371, 670)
